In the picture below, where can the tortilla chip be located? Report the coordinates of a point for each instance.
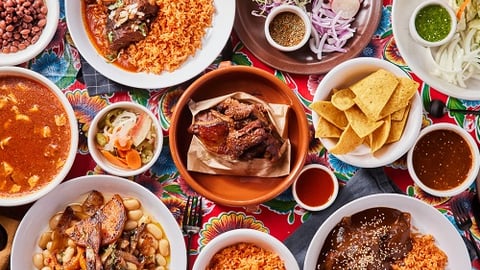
(333, 115)
(373, 92)
(400, 98)
(396, 130)
(360, 123)
(380, 135)
(326, 129)
(399, 114)
(348, 141)
(343, 99)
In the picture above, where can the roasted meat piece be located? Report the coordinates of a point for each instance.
(240, 130)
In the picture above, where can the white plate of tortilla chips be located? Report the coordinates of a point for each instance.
(212, 43)
(425, 221)
(367, 112)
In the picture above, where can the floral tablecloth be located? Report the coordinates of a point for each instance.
(60, 62)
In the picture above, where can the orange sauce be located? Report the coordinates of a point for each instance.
(314, 187)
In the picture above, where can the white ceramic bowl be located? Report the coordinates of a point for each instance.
(260, 239)
(344, 75)
(317, 184)
(472, 174)
(292, 9)
(36, 220)
(73, 139)
(413, 28)
(21, 56)
(425, 219)
(98, 156)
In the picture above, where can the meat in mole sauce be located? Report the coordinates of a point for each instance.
(372, 239)
(128, 21)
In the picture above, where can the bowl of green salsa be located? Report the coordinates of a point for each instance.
(433, 23)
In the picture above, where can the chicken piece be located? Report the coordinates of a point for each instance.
(93, 202)
(242, 131)
(112, 216)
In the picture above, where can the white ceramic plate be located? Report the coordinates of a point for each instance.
(344, 75)
(12, 59)
(425, 218)
(418, 57)
(36, 219)
(214, 40)
(260, 239)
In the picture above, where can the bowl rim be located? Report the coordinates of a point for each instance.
(413, 29)
(333, 196)
(186, 97)
(284, 8)
(74, 137)
(259, 238)
(104, 164)
(48, 32)
(475, 162)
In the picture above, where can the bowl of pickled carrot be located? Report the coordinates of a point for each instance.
(125, 139)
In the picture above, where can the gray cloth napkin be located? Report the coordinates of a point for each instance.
(96, 83)
(364, 182)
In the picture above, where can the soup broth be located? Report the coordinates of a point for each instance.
(34, 137)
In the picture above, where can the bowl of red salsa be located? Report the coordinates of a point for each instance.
(39, 136)
(444, 160)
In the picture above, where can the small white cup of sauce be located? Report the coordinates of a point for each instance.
(316, 187)
(433, 23)
(287, 28)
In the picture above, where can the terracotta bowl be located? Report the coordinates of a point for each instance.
(228, 190)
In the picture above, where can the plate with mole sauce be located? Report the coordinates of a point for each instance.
(391, 225)
(249, 29)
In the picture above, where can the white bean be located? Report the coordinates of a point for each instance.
(160, 260)
(44, 239)
(130, 225)
(135, 214)
(131, 204)
(131, 266)
(68, 254)
(46, 268)
(164, 247)
(49, 245)
(53, 222)
(155, 230)
(38, 260)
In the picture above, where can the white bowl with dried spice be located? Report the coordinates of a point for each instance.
(287, 28)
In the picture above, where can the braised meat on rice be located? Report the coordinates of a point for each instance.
(239, 130)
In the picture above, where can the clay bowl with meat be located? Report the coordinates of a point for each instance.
(28, 33)
(239, 190)
(39, 136)
(95, 214)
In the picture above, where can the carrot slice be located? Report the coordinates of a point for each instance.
(134, 161)
(461, 9)
(114, 160)
(125, 147)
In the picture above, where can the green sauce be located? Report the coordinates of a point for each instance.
(433, 23)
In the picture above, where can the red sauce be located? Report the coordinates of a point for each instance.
(34, 137)
(442, 159)
(314, 187)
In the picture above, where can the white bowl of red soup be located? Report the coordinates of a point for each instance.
(39, 137)
(125, 139)
(444, 160)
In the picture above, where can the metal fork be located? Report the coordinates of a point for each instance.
(461, 213)
(192, 219)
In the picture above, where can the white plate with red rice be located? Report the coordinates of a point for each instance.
(211, 45)
(425, 220)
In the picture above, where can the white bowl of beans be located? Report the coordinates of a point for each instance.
(138, 211)
(26, 29)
